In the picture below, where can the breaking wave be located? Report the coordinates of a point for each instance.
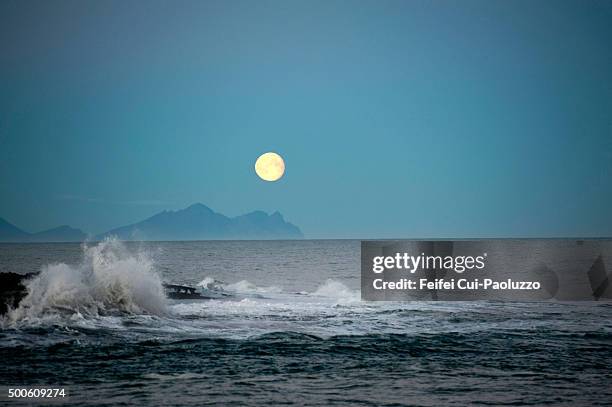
(240, 287)
(109, 280)
(330, 289)
(336, 290)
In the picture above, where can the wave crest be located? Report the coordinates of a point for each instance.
(336, 290)
(109, 280)
(240, 287)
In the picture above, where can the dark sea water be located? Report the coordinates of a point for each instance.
(287, 326)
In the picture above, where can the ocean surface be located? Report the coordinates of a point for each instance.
(286, 326)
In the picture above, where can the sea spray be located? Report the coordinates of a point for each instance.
(336, 290)
(242, 286)
(210, 283)
(246, 287)
(109, 280)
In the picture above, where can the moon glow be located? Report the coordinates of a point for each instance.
(270, 166)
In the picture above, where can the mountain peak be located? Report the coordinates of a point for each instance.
(256, 215)
(199, 222)
(10, 232)
(64, 233)
(6, 224)
(195, 222)
(197, 207)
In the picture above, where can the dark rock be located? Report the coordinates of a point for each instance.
(12, 290)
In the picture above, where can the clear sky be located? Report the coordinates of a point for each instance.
(395, 118)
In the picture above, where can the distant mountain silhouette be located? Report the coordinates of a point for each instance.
(62, 233)
(199, 222)
(196, 222)
(11, 233)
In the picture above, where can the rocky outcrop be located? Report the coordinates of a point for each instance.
(12, 290)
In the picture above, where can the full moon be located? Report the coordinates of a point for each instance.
(270, 166)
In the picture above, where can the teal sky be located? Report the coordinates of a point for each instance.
(395, 118)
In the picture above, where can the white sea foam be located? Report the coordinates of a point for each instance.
(246, 287)
(336, 290)
(207, 282)
(109, 280)
(330, 289)
(241, 287)
(210, 283)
